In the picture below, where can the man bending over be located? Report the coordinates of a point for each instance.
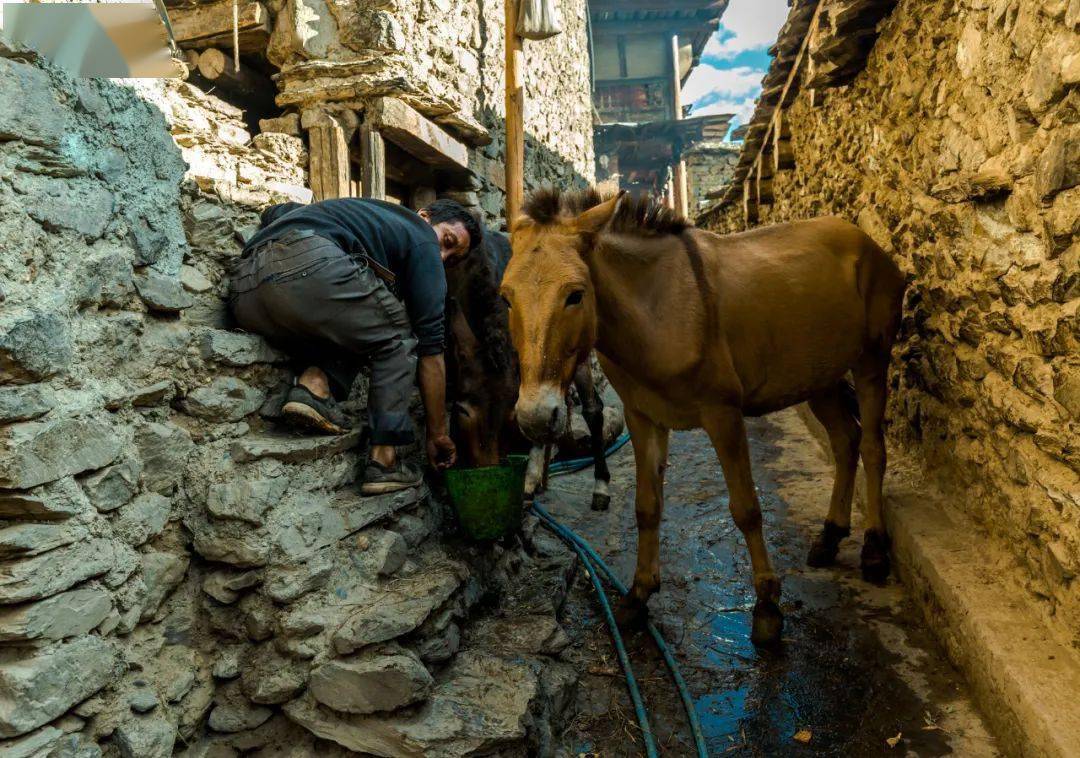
(341, 283)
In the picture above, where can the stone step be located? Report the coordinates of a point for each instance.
(481, 704)
(291, 448)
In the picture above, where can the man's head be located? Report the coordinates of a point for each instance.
(458, 230)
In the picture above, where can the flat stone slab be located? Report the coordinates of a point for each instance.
(49, 573)
(292, 448)
(37, 452)
(37, 687)
(479, 706)
(68, 614)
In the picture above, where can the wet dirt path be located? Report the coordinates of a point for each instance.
(857, 666)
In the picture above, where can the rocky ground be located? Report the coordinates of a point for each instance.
(857, 667)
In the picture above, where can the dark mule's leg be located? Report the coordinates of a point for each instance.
(835, 412)
(650, 457)
(592, 408)
(728, 434)
(871, 388)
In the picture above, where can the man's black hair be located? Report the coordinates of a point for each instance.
(447, 211)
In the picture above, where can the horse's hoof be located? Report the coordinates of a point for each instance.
(600, 501)
(768, 624)
(630, 612)
(826, 545)
(875, 556)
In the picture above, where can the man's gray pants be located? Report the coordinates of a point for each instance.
(309, 297)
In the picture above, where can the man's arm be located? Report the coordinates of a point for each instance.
(432, 379)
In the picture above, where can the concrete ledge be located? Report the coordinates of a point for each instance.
(1024, 678)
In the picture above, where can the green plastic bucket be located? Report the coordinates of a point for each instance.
(488, 500)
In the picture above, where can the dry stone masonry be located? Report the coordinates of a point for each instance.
(957, 149)
(177, 573)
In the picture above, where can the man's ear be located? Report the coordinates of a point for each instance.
(596, 218)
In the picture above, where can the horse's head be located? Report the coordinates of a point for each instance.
(552, 309)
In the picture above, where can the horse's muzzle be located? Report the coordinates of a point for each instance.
(542, 414)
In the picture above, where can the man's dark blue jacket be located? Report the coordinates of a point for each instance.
(394, 236)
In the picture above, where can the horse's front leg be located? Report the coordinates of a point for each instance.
(727, 431)
(592, 408)
(650, 456)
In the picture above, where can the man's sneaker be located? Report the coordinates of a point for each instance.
(378, 479)
(302, 408)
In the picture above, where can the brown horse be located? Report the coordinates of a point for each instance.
(696, 330)
(483, 377)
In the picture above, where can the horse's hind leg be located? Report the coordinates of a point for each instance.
(871, 388)
(592, 408)
(728, 434)
(835, 412)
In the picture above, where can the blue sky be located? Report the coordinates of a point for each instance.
(728, 79)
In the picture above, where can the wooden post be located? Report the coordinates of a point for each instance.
(372, 162)
(679, 169)
(515, 115)
(328, 162)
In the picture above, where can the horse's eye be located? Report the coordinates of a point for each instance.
(574, 298)
(505, 302)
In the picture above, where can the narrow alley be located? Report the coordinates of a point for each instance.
(858, 667)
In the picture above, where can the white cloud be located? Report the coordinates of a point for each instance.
(708, 80)
(754, 24)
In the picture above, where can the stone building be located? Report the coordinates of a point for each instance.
(643, 53)
(177, 574)
(710, 169)
(401, 100)
(948, 132)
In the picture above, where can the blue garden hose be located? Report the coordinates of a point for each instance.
(577, 464)
(582, 547)
(620, 649)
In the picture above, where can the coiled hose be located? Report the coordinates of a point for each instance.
(591, 561)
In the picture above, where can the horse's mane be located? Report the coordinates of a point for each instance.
(640, 215)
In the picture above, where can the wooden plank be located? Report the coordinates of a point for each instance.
(783, 153)
(206, 25)
(372, 162)
(407, 128)
(515, 113)
(680, 200)
(749, 202)
(328, 162)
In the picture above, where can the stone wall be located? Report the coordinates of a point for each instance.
(957, 150)
(709, 166)
(446, 58)
(177, 573)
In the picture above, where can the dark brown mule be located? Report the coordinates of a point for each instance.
(482, 369)
(696, 330)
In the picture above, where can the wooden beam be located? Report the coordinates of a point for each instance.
(783, 153)
(679, 199)
(514, 73)
(212, 25)
(412, 132)
(219, 68)
(792, 76)
(749, 202)
(372, 162)
(328, 162)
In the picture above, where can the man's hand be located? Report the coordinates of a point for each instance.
(441, 451)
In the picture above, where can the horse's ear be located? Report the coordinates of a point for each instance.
(599, 216)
